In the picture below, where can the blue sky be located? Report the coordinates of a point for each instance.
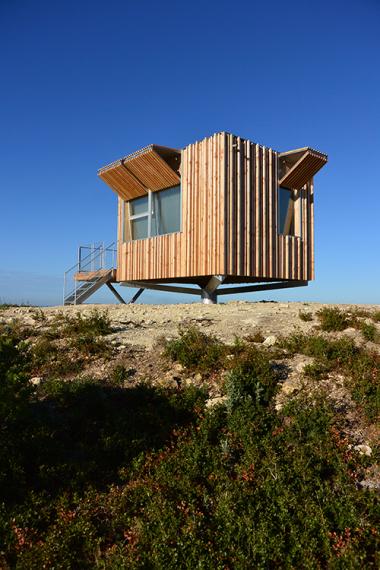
(84, 83)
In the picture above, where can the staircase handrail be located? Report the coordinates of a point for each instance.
(90, 257)
(108, 248)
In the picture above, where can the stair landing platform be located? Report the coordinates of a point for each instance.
(94, 275)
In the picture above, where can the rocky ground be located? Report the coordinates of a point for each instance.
(137, 333)
(141, 325)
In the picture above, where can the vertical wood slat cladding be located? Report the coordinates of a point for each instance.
(229, 220)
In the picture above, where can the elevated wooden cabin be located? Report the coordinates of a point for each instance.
(221, 211)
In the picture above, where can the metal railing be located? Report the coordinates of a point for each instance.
(91, 258)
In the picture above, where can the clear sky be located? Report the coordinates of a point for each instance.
(86, 82)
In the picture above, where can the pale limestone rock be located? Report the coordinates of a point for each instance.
(270, 341)
(36, 381)
(363, 449)
(217, 401)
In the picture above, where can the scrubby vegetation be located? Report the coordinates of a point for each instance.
(95, 475)
(196, 350)
(305, 316)
(361, 366)
(334, 319)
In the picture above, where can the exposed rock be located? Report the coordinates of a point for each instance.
(363, 449)
(216, 401)
(35, 381)
(370, 484)
(270, 341)
(351, 332)
(169, 380)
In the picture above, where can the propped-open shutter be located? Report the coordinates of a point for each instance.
(152, 170)
(122, 181)
(299, 173)
(141, 171)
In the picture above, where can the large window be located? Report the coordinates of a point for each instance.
(155, 214)
(289, 212)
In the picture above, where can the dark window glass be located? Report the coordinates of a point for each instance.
(139, 206)
(139, 228)
(285, 211)
(158, 213)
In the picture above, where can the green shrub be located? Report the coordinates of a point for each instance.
(305, 316)
(241, 490)
(251, 378)
(376, 316)
(316, 371)
(333, 319)
(120, 373)
(14, 388)
(369, 331)
(89, 345)
(256, 336)
(16, 330)
(196, 350)
(97, 323)
(49, 359)
(93, 476)
(361, 367)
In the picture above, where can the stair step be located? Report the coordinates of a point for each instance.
(89, 286)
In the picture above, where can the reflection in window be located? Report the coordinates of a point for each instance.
(157, 213)
(289, 212)
(166, 216)
(139, 228)
(139, 206)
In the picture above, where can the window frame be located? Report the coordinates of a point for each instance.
(149, 213)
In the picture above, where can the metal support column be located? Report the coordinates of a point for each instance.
(116, 293)
(209, 298)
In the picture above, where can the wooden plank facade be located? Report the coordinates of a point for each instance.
(229, 209)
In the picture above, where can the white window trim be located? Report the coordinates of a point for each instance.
(149, 214)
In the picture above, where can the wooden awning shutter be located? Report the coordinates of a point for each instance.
(151, 168)
(297, 167)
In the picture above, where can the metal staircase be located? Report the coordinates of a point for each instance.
(95, 267)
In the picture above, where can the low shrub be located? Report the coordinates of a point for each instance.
(369, 332)
(195, 350)
(316, 370)
(16, 330)
(333, 319)
(119, 374)
(97, 323)
(88, 345)
(239, 489)
(305, 316)
(360, 366)
(93, 476)
(50, 359)
(256, 336)
(251, 378)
